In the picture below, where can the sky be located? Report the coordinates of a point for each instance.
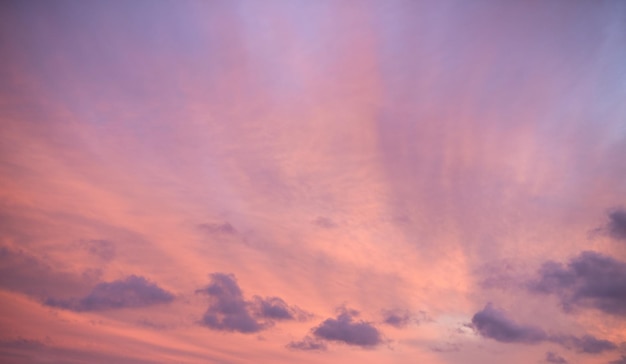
(294, 181)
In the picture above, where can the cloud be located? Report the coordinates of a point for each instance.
(307, 344)
(325, 222)
(589, 280)
(345, 329)
(401, 318)
(103, 249)
(586, 344)
(229, 311)
(555, 358)
(619, 361)
(617, 224)
(218, 228)
(275, 308)
(130, 292)
(492, 323)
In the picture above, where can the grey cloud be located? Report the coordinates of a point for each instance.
(617, 224)
(588, 280)
(555, 358)
(229, 311)
(492, 323)
(307, 344)
(345, 329)
(131, 292)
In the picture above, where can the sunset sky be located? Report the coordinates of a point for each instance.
(345, 181)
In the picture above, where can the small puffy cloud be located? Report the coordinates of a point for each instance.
(308, 344)
(229, 311)
(617, 224)
(345, 329)
(494, 324)
(588, 280)
(130, 292)
(555, 358)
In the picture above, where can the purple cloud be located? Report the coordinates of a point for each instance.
(131, 292)
(398, 318)
(229, 311)
(492, 323)
(589, 280)
(555, 358)
(307, 344)
(345, 329)
(617, 224)
(586, 344)
(619, 361)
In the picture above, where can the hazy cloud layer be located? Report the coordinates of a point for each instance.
(344, 328)
(130, 292)
(584, 344)
(401, 318)
(590, 279)
(229, 311)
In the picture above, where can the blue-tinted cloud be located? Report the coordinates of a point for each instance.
(585, 344)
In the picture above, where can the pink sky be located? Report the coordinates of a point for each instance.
(313, 182)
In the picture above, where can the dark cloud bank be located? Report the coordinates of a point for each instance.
(229, 311)
(494, 324)
(130, 292)
(588, 280)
